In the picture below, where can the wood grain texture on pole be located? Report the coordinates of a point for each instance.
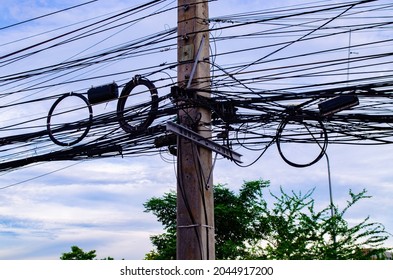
(195, 214)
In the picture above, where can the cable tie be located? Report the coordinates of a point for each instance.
(196, 225)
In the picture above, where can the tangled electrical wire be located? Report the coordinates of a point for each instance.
(253, 120)
(259, 96)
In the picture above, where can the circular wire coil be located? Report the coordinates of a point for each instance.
(125, 93)
(50, 114)
(323, 147)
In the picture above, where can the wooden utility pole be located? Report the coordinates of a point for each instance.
(195, 215)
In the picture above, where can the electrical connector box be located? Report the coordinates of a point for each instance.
(337, 104)
(103, 93)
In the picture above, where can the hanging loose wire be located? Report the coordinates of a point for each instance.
(256, 86)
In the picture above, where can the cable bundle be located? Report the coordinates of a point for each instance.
(270, 72)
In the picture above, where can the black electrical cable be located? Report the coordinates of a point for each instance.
(86, 126)
(127, 90)
(262, 110)
(46, 15)
(104, 22)
(280, 130)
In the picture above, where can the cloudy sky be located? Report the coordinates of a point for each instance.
(47, 208)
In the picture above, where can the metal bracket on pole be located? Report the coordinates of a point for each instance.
(199, 140)
(196, 62)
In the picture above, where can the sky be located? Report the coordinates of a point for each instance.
(98, 205)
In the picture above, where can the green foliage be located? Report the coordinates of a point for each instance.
(237, 222)
(298, 231)
(165, 210)
(166, 246)
(78, 254)
(247, 228)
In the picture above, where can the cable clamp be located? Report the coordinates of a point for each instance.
(137, 78)
(196, 225)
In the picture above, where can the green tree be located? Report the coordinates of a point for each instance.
(298, 231)
(247, 228)
(238, 222)
(78, 254)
